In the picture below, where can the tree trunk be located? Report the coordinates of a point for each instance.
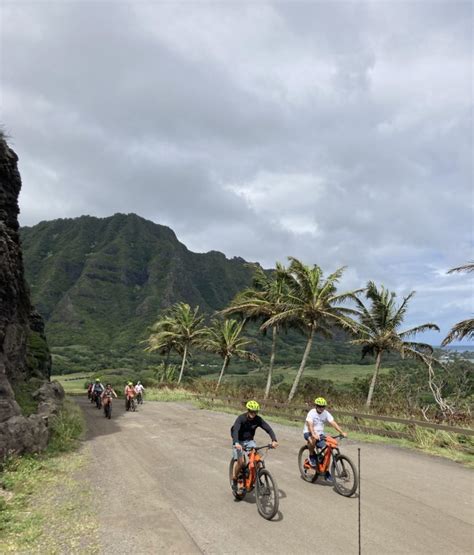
(378, 360)
(185, 354)
(167, 359)
(224, 366)
(272, 362)
(302, 365)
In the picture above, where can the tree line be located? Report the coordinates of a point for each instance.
(300, 297)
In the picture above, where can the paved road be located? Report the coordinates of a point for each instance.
(161, 476)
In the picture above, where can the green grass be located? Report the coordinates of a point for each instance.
(168, 394)
(73, 384)
(45, 506)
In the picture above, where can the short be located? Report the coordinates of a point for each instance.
(247, 445)
(321, 444)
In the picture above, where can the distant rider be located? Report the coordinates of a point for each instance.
(89, 390)
(243, 433)
(129, 393)
(97, 389)
(314, 429)
(139, 389)
(107, 394)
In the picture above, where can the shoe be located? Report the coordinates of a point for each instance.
(313, 461)
(328, 477)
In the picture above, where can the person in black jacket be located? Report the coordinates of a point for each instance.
(243, 432)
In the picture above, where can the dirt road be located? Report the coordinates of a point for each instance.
(162, 485)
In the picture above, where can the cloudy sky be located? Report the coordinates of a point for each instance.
(337, 132)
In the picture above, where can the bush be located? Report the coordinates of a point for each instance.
(66, 428)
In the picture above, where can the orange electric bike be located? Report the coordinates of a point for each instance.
(343, 470)
(254, 475)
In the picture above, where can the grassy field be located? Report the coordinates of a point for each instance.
(73, 384)
(340, 374)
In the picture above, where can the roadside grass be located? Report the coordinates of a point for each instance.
(44, 505)
(168, 394)
(455, 447)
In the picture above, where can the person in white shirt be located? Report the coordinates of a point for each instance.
(314, 428)
(139, 389)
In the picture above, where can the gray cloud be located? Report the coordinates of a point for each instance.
(340, 133)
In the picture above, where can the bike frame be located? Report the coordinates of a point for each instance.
(332, 445)
(254, 463)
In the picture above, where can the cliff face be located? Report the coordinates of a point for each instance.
(23, 349)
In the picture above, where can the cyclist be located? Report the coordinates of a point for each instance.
(129, 393)
(139, 389)
(97, 390)
(89, 390)
(108, 393)
(314, 429)
(243, 432)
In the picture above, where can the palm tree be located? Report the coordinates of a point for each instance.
(311, 306)
(162, 340)
(262, 302)
(379, 333)
(224, 339)
(465, 328)
(179, 329)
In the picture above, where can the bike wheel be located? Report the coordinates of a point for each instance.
(308, 473)
(132, 405)
(344, 474)
(237, 495)
(266, 494)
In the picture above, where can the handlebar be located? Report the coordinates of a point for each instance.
(269, 446)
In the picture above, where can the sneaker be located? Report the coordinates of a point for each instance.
(328, 477)
(313, 461)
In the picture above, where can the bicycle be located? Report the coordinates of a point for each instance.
(139, 399)
(107, 404)
(343, 470)
(98, 399)
(255, 475)
(130, 404)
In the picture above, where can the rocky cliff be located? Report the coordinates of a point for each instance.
(24, 356)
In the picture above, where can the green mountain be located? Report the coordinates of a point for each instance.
(99, 283)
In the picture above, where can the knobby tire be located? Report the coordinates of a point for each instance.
(266, 494)
(238, 496)
(344, 474)
(308, 474)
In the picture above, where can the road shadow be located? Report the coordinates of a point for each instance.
(96, 423)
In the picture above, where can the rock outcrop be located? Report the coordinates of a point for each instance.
(24, 353)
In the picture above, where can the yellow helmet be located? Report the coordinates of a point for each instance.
(253, 406)
(320, 401)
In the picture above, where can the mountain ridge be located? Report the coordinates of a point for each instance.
(103, 281)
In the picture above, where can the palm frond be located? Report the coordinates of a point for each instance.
(469, 267)
(462, 330)
(418, 329)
